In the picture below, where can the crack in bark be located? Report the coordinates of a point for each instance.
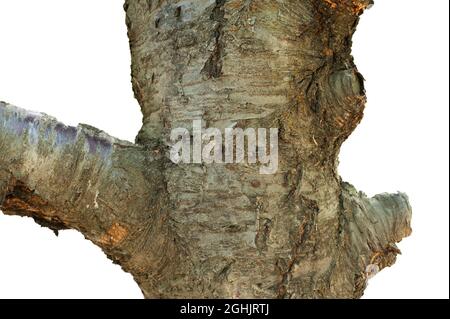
(263, 234)
(22, 201)
(306, 228)
(213, 66)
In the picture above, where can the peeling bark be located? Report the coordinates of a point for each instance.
(210, 231)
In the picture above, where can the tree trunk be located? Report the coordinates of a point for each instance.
(219, 230)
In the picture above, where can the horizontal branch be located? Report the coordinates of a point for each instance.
(374, 226)
(81, 178)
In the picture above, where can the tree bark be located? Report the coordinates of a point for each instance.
(219, 230)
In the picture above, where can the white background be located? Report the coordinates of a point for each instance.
(71, 59)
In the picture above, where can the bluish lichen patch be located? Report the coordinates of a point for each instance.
(18, 124)
(14, 123)
(40, 129)
(98, 145)
(47, 132)
(21, 124)
(30, 118)
(2, 111)
(33, 132)
(36, 126)
(65, 134)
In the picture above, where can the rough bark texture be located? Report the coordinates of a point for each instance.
(189, 231)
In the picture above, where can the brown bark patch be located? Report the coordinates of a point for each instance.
(24, 202)
(115, 235)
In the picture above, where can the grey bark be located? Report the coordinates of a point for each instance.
(210, 231)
